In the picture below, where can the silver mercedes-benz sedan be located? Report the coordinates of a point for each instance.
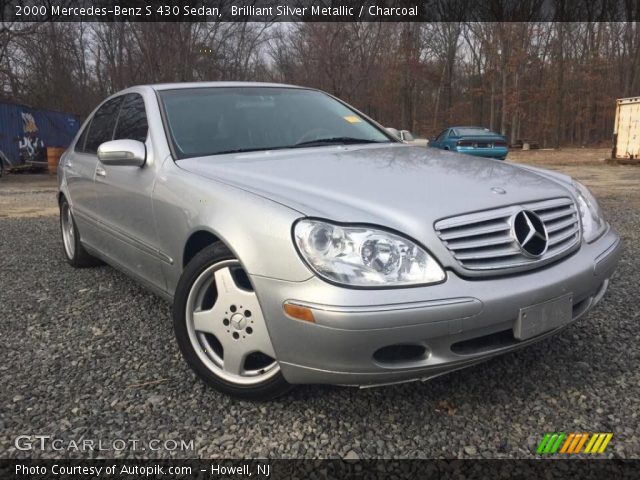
(300, 242)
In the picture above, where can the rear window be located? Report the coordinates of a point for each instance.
(473, 132)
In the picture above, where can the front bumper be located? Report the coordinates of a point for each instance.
(457, 323)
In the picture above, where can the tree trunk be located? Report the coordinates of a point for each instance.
(559, 123)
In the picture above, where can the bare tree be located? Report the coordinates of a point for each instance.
(552, 82)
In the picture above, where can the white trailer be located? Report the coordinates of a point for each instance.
(626, 129)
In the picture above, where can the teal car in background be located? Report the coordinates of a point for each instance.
(477, 141)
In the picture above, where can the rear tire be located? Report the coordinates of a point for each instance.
(74, 252)
(220, 328)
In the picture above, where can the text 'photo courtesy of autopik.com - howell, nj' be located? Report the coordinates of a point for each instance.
(318, 239)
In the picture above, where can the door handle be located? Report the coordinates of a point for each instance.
(101, 172)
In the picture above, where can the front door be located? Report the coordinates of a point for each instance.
(125, 207)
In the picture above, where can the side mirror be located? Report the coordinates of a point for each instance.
(131, 153)
(406, 135)
(393, 131)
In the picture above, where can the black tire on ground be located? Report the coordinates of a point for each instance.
(267, 390)
(77, 257)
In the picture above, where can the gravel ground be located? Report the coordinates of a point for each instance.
(28, 195)
(90, 355)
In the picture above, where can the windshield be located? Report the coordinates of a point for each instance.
(473, 132)
(209, 121)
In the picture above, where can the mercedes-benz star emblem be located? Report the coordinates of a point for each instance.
(529, 233)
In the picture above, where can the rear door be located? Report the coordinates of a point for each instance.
(124, 196)
(80, 168)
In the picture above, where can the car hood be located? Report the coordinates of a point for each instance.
(395, 185)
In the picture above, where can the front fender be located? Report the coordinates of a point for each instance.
(257, 230)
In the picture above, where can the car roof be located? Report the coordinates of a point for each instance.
(181, 85)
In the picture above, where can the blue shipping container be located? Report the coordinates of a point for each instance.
(25, 132)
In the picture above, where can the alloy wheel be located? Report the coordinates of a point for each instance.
(226, 326)
(68, 233)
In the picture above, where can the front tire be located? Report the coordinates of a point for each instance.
(220, 328)
(74, 252)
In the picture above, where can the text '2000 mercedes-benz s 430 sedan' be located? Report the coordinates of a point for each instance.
(302, 243)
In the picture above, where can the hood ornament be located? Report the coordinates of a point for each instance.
(498, 190)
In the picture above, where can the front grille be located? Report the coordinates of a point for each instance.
(483, 240)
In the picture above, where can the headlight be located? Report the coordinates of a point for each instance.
(364, 257)
(593, 224)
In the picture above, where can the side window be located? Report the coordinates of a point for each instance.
(442, 135)
(452, 133)
(102, 125)
(132, 122)
(83, 136)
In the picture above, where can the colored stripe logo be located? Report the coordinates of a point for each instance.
(573, 443)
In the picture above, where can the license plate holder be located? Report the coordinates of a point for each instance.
(542, 317)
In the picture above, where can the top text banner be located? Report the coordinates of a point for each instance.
(319, 10)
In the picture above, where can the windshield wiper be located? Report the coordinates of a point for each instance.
(336, 141)
(310, 143)
(244, 150)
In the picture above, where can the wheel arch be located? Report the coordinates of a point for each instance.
(197, 241)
